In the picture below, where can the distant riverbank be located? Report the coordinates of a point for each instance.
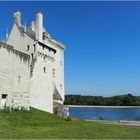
(103, 106)
(120, 100)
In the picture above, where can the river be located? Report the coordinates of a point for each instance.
(104, 113)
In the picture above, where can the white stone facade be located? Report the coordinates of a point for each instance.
(32, 68)
(14, 77)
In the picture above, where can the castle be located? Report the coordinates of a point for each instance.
(31, 68)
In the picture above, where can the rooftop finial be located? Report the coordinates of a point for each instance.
(7, 34)
(33, 26)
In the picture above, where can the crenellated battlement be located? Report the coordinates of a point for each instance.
(11, 49)
(46, 55)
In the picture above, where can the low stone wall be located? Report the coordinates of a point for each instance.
(61, 110)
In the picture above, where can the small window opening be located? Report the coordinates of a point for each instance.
(61, 63)
(44, 69)
(32, 56)
(28, 47)
(53, 73)
(18, 79)
(61, 86)
(31, 74)
(4, 96)
(34, 48)
(44, 58)
(31, 70)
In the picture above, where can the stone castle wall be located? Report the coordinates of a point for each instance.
(14, 77)
(58, 67)
(41, 86)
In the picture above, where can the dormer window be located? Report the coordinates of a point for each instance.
(28, 48)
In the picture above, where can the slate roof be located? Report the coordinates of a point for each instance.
(32, 35)
(29, 32)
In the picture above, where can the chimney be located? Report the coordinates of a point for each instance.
(33, 26)
(39, 26)
(17, 18)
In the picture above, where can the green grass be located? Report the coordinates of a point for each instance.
(38, 125)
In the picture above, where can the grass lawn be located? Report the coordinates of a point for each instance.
(38, 125)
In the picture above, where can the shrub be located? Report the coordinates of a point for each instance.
(68, 119)
(11, 109)
(101, 118)
(5, 110)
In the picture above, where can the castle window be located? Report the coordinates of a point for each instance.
(31, 70)
(44, 69)
(53, 73)
(18, 79)
(34, 48)
(28, 48)
(32, 56)
(44, 58)
(31, 73)
(4, 96)
(61, 63)
(61, 86)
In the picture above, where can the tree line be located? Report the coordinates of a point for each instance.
(121, 100)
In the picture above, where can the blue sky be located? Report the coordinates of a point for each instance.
(102, 40)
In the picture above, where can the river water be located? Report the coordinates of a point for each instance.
(104, 113)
